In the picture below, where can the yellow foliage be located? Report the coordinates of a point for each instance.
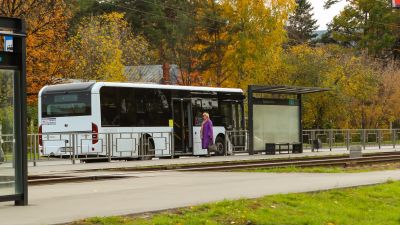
(255, 34)
(47, 24)
(103, 45)
(363, 91)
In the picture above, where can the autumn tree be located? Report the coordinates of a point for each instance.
(6, 101)
(157, 21)
(369, 25)
(84, 8)
(221, 43)
(362, 94)
(103, 45)
(212, 42)
(240, 42)
(384, 105)
(256, 30)
(167, 25)
(184, 38)
(47, 25)
(301, 25)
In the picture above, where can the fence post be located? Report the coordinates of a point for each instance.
(312, 140)
(172, 144)
(393, 137)
(35, 148)
(29, 141)
(363, 137)
(2, 155)
(330, 135)
(110, 145)
(247, 141)
(347, 139)
(65, 145)
(72, 143)
(226, 143)
(379, 133)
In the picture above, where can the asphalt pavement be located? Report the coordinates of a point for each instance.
(151, 191)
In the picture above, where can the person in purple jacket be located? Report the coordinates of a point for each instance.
(206, 132)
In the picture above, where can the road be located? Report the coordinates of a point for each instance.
(150, 191)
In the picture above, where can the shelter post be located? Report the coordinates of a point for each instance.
(13, 179)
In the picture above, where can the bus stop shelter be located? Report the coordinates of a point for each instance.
(13, 158)
(275, 116)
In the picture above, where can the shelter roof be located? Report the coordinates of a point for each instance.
(285, 89)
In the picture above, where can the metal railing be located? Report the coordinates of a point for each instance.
(78, 147)
(73, 147)
(236, 141)
(342, 139)
(331, 139)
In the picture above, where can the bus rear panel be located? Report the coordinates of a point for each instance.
(66, 120)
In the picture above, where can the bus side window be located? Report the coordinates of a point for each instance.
(156, 102)
(140, 104)
(141, 108)
(109, 107)
(197, 111)
(164, 101)
(198, 117)
(225, 113)
(128, 110)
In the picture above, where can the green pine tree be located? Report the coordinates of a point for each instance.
(368, 25)
(302, 26)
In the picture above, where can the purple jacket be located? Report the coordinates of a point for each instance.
(207, 138)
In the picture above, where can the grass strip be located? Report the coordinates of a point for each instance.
(329, 169)
(369, 205)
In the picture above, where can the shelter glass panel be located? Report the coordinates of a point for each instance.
(7, 133)
(275, 124)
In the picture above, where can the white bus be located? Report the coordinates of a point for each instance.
(127, 109)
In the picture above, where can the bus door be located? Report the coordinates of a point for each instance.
(183, 127)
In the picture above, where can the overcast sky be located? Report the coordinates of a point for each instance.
(325, 16)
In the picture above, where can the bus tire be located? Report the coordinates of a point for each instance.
(145, 153)
(220, 143)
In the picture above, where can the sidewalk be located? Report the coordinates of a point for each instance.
(150, 191)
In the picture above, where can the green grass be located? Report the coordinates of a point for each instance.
(372, 205)
(333, 169)
(293, 169)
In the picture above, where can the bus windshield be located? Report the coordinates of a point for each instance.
(70, 104)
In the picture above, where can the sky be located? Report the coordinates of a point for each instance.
(325, 16)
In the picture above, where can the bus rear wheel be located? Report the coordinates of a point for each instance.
(219, 142)
(148, 151)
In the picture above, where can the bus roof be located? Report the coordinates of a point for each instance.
(97, 86)
(62, 88)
